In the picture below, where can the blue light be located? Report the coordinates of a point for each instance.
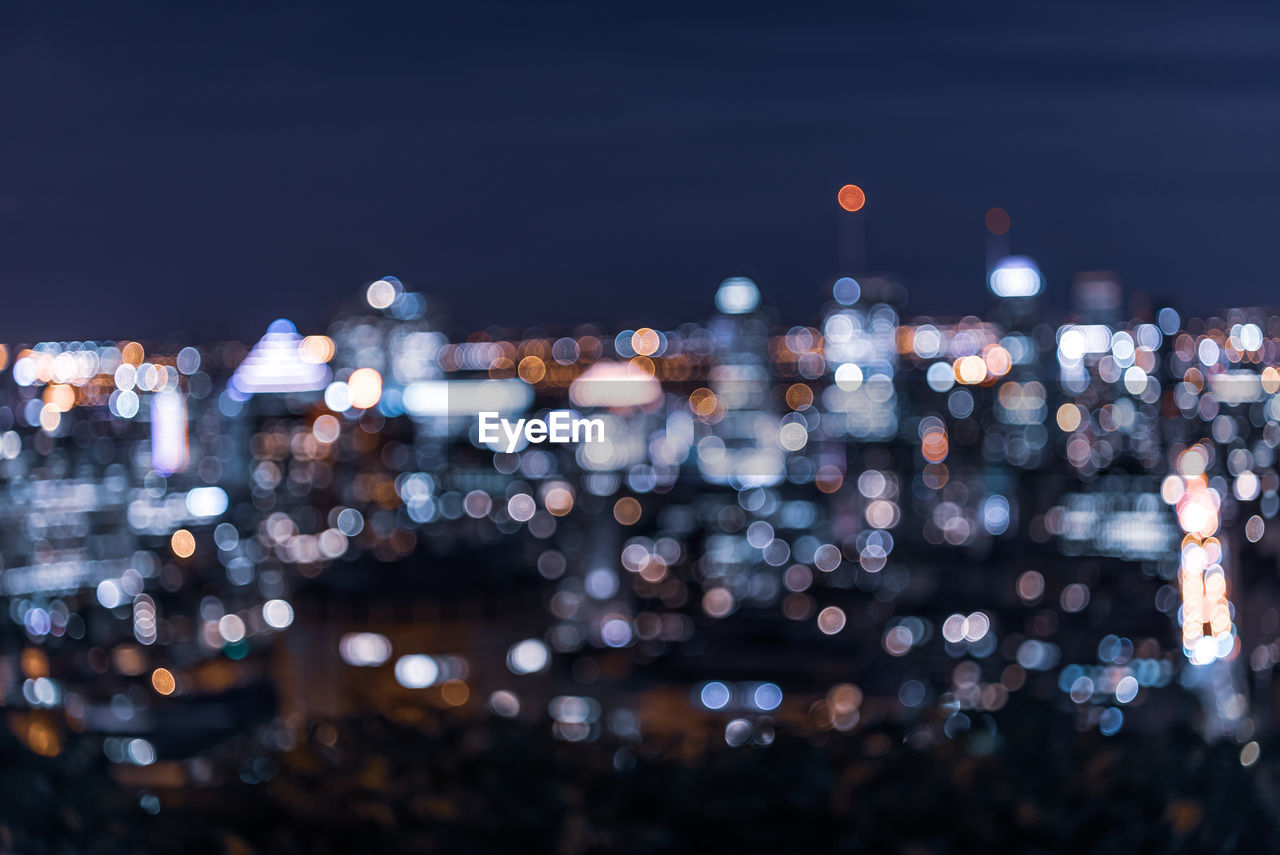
(846, 291)
(767, 697)
(714, 695)
(1111, 721)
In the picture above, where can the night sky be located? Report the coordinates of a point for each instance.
(167, 170)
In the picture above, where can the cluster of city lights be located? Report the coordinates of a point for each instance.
(861, 481)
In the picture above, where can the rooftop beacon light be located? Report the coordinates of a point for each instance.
(737, 295)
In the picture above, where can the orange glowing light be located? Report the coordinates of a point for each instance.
(183, 543)
(645, 341)
(558, 501)
(455, 692)
(799, 397)
(316, 349)
(531, 370)
(703, 402)
(34, 663)
(829, 479)
(998, 360)
(851, 198)
(627, 511)
(42, 738)
(132, 353)
(1069, 417)
(60, 397)
(1270, 380)
(163, 682)
(934, 446)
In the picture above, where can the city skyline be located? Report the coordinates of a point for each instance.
(639, 428)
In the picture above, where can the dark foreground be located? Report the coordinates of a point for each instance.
(372, 785)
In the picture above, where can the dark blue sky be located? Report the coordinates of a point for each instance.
(164, 169)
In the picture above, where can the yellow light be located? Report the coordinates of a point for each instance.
(365, 388)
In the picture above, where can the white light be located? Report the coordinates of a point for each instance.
(737, 295)
(124, 404)
(141, 752)
(109, 593)
(188, 360)
(527, 656)
(382, 294)
(425, 398)
(417, 671)
(1204, 651)
(206, 501)
(953, 628)
(940, 377)
(848, 376)
(364, 649)
(615, 632)
(614, 384)
(1251, 336)
(24, 371)
(601, 583)
(504, 703)
(277, 613)
(1015, 276)
(168, 433)
(337, 397)
(976, 626)
(231, 628)
(275, 365)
